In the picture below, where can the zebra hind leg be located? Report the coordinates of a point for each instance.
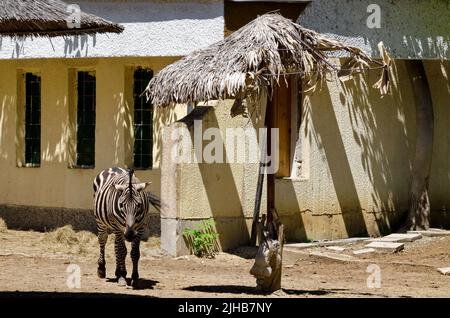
(135, 255)
(102, 239)
(121, 253)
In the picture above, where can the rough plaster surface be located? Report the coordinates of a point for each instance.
(54, 184)
(359, 151)
(409, 28)
(152, 28)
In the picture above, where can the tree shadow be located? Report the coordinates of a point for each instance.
(421, 31)
(245, 252)
(41, 295)
(382, 128)
(241, 289)
(218, 183)
(439, 74)
(330, 141)
(288, 207)
(225, 289)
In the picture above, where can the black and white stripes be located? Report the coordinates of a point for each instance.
(120, 207)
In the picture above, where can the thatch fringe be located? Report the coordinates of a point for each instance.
(47, 18)
(254, 58)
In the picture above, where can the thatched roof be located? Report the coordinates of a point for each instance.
(252, 58)
(47, 18)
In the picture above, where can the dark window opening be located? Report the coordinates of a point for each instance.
(143, 121)
(86, 91)
(239, 13)
(32, 119)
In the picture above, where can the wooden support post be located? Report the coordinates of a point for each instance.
(259, 189)
(271, 104)
(268, 261)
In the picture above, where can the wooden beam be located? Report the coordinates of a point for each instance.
(270, 108)
(259, 189)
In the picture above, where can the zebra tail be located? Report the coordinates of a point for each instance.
(154, 200)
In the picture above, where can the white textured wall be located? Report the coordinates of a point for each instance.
(152, 28)
(409, 28)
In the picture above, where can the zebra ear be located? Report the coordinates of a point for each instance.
(120, 187)
(142, 186)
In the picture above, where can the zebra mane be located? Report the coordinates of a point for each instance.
(130, 177)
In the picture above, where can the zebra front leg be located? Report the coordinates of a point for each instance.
(102, 239)
(121, 253)
(135, 255)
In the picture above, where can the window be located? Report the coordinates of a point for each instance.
(143, 121)
(32, 119)
(85, 119)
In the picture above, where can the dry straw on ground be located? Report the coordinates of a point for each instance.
(83, 243)
(66, 240)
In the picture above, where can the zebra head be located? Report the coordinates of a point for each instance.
(130, 206)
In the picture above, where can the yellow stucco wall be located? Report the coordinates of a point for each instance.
(54, 184)
(356, 150)
(361, 149)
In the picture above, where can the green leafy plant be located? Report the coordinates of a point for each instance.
(202, 239)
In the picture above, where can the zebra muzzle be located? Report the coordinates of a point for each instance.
(130, 234)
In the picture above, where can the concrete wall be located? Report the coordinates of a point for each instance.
(351, 168)
(192, 191)
(152, 28)
(54, 184)
(409, 28)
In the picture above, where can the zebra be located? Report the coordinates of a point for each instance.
(121, 207)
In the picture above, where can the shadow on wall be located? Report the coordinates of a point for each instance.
(286, 202)
(410, 24)
(57, 150)
(78, 45)
(6, 135)
(131, 12)
(439, 74)
(162, 117)
(382, 128)
(220, 186)
(74, 46)
(18, 46)
(329, 141)
(382, 133)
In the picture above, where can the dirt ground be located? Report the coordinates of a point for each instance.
(37, 262)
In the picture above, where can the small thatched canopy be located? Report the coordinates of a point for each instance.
(253, 58)
(47, 18)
